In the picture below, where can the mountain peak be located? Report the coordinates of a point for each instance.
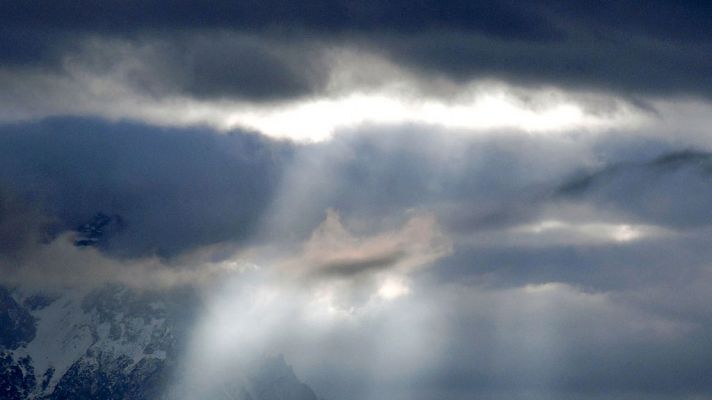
(97, 230)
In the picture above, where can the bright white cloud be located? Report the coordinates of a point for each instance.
(388, 96)
(581, 232)
(486, 108)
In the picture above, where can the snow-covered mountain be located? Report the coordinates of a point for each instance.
(113, 342)
(116, 342)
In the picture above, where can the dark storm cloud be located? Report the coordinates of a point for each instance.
(629, 47)
(203, 65)
(207, 56)
(173, 189)
(582, 61)
(223, 66)
(504, 19)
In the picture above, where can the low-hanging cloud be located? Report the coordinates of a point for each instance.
(61, 264)
(333, 251)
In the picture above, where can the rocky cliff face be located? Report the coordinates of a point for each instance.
(113, 343)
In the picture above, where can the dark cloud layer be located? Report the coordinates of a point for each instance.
(503, 19)
(173, 189)
(534, 20)
(630, 47)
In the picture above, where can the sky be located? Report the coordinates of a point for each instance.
(409, 200)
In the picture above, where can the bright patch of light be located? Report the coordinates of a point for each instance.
(393, 288)
(547, 287)
(576, 232)
(324, 304)
(626, 233)
(319, 119)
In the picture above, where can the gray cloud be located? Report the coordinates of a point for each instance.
(271, 51)
(641, 65)
(672, 189)
(202, 66)
(252, 68)
(173, 189)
